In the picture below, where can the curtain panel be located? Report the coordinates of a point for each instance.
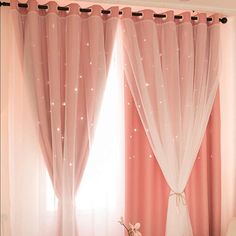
(146, 196)
(5, 73)
(172, 71)
(67, 55)
(228, 115)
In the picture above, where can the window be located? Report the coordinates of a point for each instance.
(102, 183)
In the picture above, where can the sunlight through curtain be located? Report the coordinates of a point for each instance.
(34, 207)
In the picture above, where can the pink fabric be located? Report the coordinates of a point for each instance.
(147, 191)
(68, 54)
(171, 67)
(203, 191)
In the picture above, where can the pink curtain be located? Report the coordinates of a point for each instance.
(6, 73)
(203, 191)
(67, 55)
(172, 70)
(147, 191)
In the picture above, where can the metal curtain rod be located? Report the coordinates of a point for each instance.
(44, 7)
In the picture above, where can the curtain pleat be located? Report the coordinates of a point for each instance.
(147, 191)
(203, 191)
(172, 69)
(6, 52)
(69, 56)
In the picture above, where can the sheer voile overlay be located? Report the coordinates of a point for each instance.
(228, 115)
(172, 70)
(5, 72)
(147, 192)
(68, 56)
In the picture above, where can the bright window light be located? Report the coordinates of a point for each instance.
(51, 199)
(102, 180)
(102, 183)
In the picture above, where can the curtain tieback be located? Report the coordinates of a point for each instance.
(179, 197)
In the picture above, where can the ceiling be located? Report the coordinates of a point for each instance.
(227, 7)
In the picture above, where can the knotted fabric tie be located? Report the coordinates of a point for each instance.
(180, 198)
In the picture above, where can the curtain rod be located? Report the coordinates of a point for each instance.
(44, 7)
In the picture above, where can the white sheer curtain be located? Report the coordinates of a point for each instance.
(7, 53)
(100, 200)
(172, 71)
(228, 122)
(33, 205)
